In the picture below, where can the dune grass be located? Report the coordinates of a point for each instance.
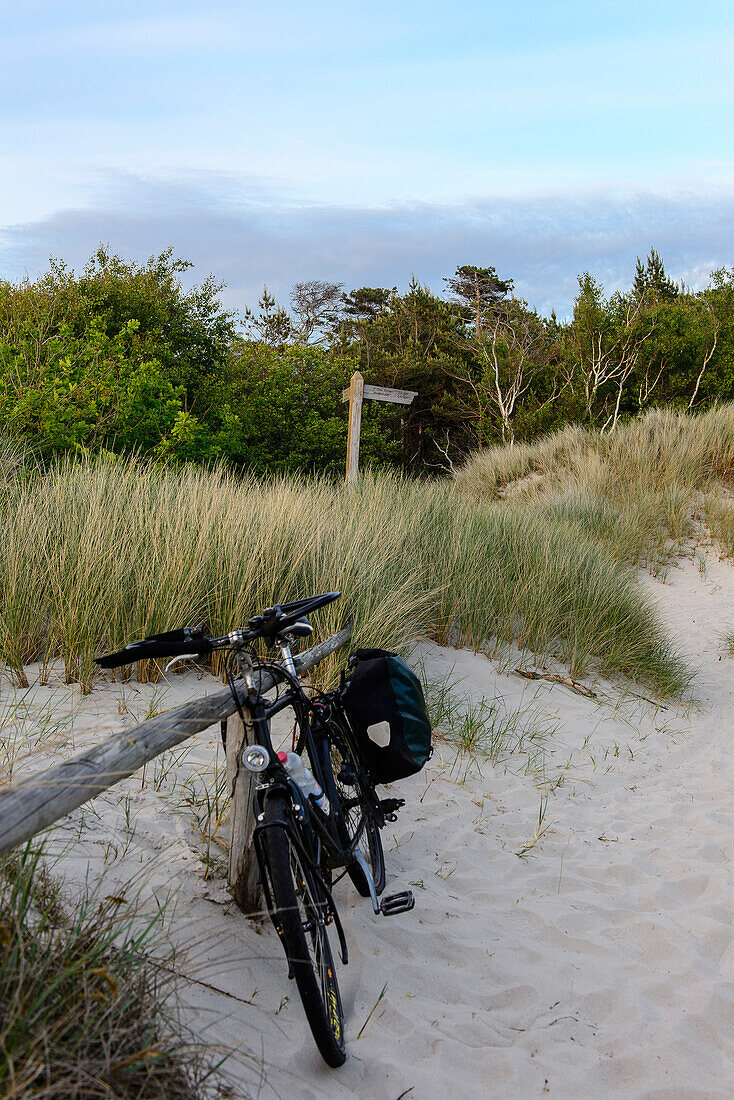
(531, 545)
(85, 1011)
(661, 449)
(15, 459)
(97, 553)
(719, 511)
(635, 490)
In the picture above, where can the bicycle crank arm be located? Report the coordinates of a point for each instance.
(394, 903)
(370, 881)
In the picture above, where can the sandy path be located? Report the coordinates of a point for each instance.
(600, 964)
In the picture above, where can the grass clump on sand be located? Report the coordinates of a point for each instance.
(84, 1012)
(98, 553)
(489, 727)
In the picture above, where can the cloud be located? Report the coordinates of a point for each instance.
(248, 234)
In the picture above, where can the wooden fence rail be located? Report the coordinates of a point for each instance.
(32, 804)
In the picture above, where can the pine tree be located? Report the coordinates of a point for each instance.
(367, 303)
(479, 289)
(272, 324)
(651, 279)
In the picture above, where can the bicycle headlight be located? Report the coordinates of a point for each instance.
(255, 758)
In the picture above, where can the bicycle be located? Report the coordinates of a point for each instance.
(299, 846)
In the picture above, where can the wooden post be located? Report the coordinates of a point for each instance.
(355, 395)
(356, 391)
(242, 873)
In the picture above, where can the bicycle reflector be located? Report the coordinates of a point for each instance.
(255, 758)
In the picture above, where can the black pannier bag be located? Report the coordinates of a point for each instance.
(383, 700)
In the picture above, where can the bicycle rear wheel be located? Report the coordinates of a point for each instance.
(356, 800)
(300, 920)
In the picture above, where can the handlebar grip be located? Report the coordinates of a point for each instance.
(190, 640)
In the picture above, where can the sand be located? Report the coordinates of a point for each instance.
(598, 963)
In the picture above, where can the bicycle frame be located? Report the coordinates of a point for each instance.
(309, 824)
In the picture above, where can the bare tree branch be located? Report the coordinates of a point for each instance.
(318, 306)
(709, 353)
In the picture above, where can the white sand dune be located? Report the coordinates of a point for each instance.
(601, 963)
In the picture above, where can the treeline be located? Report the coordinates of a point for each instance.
(121, 357)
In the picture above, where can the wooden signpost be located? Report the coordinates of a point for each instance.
(355, 395)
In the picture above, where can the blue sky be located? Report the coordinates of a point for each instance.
(364, 142)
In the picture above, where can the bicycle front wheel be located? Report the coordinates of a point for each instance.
(300, 919)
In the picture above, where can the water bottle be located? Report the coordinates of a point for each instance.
(300, 775)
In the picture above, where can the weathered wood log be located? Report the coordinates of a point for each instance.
(555, 678)
(31, 805)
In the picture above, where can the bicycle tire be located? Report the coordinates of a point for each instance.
(354, 798)
(302, 930)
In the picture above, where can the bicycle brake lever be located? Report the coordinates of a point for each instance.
(181, 657)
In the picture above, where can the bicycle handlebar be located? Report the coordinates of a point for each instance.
(278, 618)
(192, 641)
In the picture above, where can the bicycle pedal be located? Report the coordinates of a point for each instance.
(390, 807)
(397, 903)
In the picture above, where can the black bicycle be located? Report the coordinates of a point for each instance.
(303, 842)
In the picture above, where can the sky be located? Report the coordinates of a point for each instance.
(366, 142)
